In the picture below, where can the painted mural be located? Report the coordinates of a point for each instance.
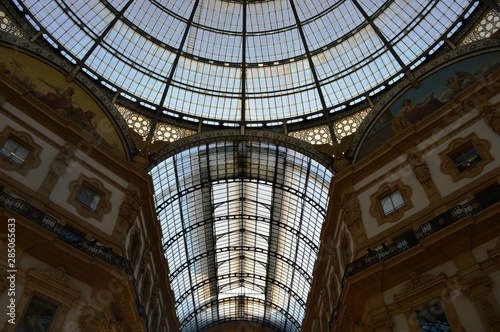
(418, 103)
(68, 99)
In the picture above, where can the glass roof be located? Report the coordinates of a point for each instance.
(244, 61)
(241, 223)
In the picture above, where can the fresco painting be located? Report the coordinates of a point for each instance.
(418, 103)
(68, 99)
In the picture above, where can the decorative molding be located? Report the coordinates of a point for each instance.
(380, 320)
(58, 276)
(491, 114)
(420, 168)
(56, 170)
(130, 208)
(420, 281)
(477, 281)
(26, 141)
(385, 190)
(424, 288)
(104, 205)
(482, 147)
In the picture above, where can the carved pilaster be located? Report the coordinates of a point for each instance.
(351, 216)
(380, 322)
(478, 288)
(145, 258)
(128, 212)
(491, 115)
(57, 170)
(423, 175)
(495, 252)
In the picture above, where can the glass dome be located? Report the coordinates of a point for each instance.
(246, 61)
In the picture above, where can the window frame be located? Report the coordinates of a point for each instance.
(455, 147)
(47, 301)
(89, 201)
(25, 141)
(384, 191)
(394, 207)
(96, 186)
(424, 306)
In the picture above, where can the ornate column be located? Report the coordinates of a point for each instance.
(128, 212)
(423, 175)
(478, 289)
(491, 114)
(351, 216)
(477, 285)
(57, 169)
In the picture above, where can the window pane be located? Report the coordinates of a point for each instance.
(466, 158)
(431, 318)
(15, 152)
(38, 316)
(392, 202)
(88, 197)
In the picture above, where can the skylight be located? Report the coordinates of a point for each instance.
(241, 223)
(245, 61)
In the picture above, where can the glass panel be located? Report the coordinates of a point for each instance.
(431, 318)
(88, 197)
(249, 215)
(392, 202)
(136, 47)
(466, 158)
(14, 152)
(38, 316)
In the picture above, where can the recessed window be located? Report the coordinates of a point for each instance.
(18, 151)
(14, 151)
(431, 318)
(392, 202)
(38, 316)
(466, 157)
(88, 197)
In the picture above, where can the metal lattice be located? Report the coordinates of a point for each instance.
(8, 25)
(315, 135)
(342, 128)
(142, 124)
(489, 24)
(349, 124)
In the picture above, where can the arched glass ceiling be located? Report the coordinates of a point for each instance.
(247, 60)
(241, 223)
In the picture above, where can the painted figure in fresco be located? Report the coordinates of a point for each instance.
(460, 81)
(412, 113)
(60, 98)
